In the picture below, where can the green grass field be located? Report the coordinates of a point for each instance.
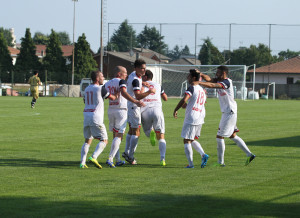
(40, 175)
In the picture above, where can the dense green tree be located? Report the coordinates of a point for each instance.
(7, 36)
(284, 55)
(123, 39)
(185, 50)
(6, 65)
(259, 55)
(40, 38)
(27, 61)
(64, 38)
(84, 62)
(209, 54)
(54, 62)
(150, 38)
(175, 53)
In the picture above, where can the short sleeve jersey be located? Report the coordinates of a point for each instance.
(94, 105)
(195, 109)
(154, 99)
(226, 97)
(34, 81)
(114, 87)
(134, 83)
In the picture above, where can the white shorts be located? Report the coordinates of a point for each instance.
(227, 124)
(153, 117)
(97, 132)
(134, 117)
(191, 132)
(117, 120)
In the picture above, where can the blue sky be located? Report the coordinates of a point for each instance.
(42, 15)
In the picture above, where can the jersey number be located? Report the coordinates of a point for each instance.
(200, 98)
(89, 98)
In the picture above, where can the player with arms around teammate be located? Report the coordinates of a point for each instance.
(34, 82)
(117, 112)
(194, 118)
(93, 126)
(229, 113)
(134, 84)
(152, 114)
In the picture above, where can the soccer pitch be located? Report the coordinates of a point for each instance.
(40, 175)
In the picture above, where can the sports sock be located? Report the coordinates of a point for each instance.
(117, 156)
(99, 148)
(221, 150)
(196, 145)
(162, 148)
(189, 153)
(127, 145)
(84, 152)
(240, 142)
(115, 145)
(133, 144)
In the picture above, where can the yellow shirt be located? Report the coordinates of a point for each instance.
(34, 81)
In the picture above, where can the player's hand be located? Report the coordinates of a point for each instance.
(140, 104)
(175, 114)
(153, 90)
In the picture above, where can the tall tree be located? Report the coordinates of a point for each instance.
(150, 38)
(284, 55)
(27, 61)
(54, 61)
(64, 38)
(209, 54)
(40, 38)
(185, 50)
(123, 38)
(175, 53)
(7, 36)
(6, 65)
(84, 61)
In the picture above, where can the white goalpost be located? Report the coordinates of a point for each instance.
(173, 78)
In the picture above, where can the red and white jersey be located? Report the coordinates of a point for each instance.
(154, 99)
(226, 97)
(195, 110)
(94, 106)
(113, 87)
(134, 83)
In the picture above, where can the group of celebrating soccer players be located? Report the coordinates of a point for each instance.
(138, 101)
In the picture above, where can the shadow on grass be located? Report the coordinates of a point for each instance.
(152, 205)
(281, 142)
(37, 163)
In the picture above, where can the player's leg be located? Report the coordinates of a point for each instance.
(85, 147)
(135, 123)
(197, 146)
(159, 127)
(188, 136)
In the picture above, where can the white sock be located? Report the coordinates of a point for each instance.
(117, 156)
(221, 150)
(84, 152)
(133, 144)
(240, 142)
(189, 153)
(99, 148)
(115, 145)
(162, 148)
(127, 145)
(196, 145)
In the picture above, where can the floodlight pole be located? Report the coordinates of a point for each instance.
(73, 43)
(101, 39)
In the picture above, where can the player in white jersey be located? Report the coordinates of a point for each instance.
(152, 115)
(134, 84)
(229, 113)
(194, 118)
(93, 126)
(117, 112)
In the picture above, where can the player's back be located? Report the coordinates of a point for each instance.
(195, 109)
(94, 105)
(154, 99)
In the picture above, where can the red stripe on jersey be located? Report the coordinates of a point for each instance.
(222, 85)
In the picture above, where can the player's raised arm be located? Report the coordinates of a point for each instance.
(210, 85)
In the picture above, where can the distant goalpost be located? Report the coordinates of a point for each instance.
(173, 78)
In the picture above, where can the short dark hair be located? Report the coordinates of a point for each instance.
(149, 74)
(139, 62)
(35, 72)
(223, 69)
(95, 74)
(195, 74)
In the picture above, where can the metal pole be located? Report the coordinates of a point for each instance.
(195, 44)
(254, 67)
(73, 43)
(101, 39)
(229, 42)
